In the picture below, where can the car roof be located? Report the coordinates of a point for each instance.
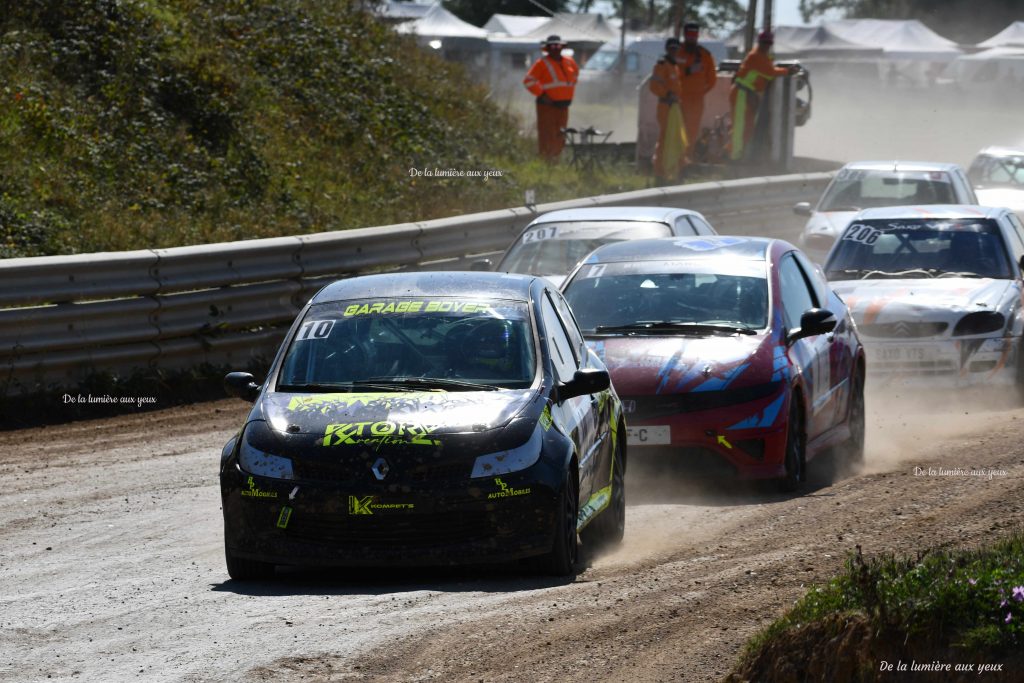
(898, 166)
(467, 284)
(930, 211)
(614, 213)
(685, 248)
(995, 151)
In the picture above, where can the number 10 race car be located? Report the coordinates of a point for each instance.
(425, 418)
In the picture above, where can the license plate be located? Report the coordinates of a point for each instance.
(660, 435)
(903, 354)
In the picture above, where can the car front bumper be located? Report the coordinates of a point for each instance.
(321, 524)
(961, 363)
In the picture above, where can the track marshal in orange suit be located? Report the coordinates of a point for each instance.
(552, 80)
(666, 84)
(755, 73)
(697, 77)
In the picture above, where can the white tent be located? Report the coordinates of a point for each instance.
(575, 28)
(513, 25)
(897, 38)
(997, 66)
(440, 23)
(804, 41)
(1011, 36)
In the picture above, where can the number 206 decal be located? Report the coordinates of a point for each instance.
(864, 234)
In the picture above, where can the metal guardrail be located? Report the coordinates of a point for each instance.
(65, 317)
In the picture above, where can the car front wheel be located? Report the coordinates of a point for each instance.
(561, 561)
(242, 569)
(796, 443)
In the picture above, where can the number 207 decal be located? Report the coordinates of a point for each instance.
(316, 329)
(864, 234)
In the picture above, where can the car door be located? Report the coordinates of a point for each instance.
(843, 342)
(810, 356)
(577, 416)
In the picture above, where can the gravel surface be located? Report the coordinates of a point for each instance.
(111, 563)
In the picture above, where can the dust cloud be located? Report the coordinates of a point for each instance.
(904, 426)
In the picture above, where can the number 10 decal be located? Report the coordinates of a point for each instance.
(316, 329)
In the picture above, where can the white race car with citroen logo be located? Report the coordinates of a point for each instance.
(936, 293)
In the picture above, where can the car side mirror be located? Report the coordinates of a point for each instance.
(483, 264)
(588, 381)
(813, 322)
(802, 209)
(241, 385)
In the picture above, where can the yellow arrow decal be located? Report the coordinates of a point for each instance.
(723, 442)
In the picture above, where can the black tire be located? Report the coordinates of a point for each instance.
(796, 449)
(609, 527)
(853, 450)
(242, 569)
(561, 561)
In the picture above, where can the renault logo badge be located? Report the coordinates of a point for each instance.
(380, 469)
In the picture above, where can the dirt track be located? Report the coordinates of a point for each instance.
(111, 565)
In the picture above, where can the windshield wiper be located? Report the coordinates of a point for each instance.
(327, 387)
(429, 382)
(678, 326)
(954, 273)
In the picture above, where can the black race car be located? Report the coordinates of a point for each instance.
(425, 419)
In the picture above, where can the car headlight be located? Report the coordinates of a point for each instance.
(979, 322)
(511, 460)
(256, 461)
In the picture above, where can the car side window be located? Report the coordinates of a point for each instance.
(559, 346)
(1017, 237)
(703, 227)
(794, 291)
(572, 329)
(818, 286)
(684, 227)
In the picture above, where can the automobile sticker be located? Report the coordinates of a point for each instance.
(863, 234)
(540, 234)
(254, 491)
(594, 271)
(545, 418)
(506, 491)
(315, 329)
(367, 505)
(708, 243)
(284, 517)
(379, 433)
(387, 307)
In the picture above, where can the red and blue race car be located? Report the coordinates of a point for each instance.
(732, 355)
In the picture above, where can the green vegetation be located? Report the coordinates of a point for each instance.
(961, 604)
(131, 124)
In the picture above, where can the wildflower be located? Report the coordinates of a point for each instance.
(973, 582)
(1009, 618)
(1018, 593)
(1003, 604)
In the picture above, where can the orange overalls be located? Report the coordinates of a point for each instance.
(555, 78)
(670, 150)
(756, 71)
(698, 72)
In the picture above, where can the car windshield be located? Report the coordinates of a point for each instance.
(430, 343)
(990, 172)
(556, 248)
(919, 248)
(853, 190)
(669, 296)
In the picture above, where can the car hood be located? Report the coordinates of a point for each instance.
(439, 412)
(830, 223)
(647, 365)
(936, 300)
(1010, 198)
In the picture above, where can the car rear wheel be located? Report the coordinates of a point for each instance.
(561, 561)
(609, 527)
(242, 569)
(796, 443)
